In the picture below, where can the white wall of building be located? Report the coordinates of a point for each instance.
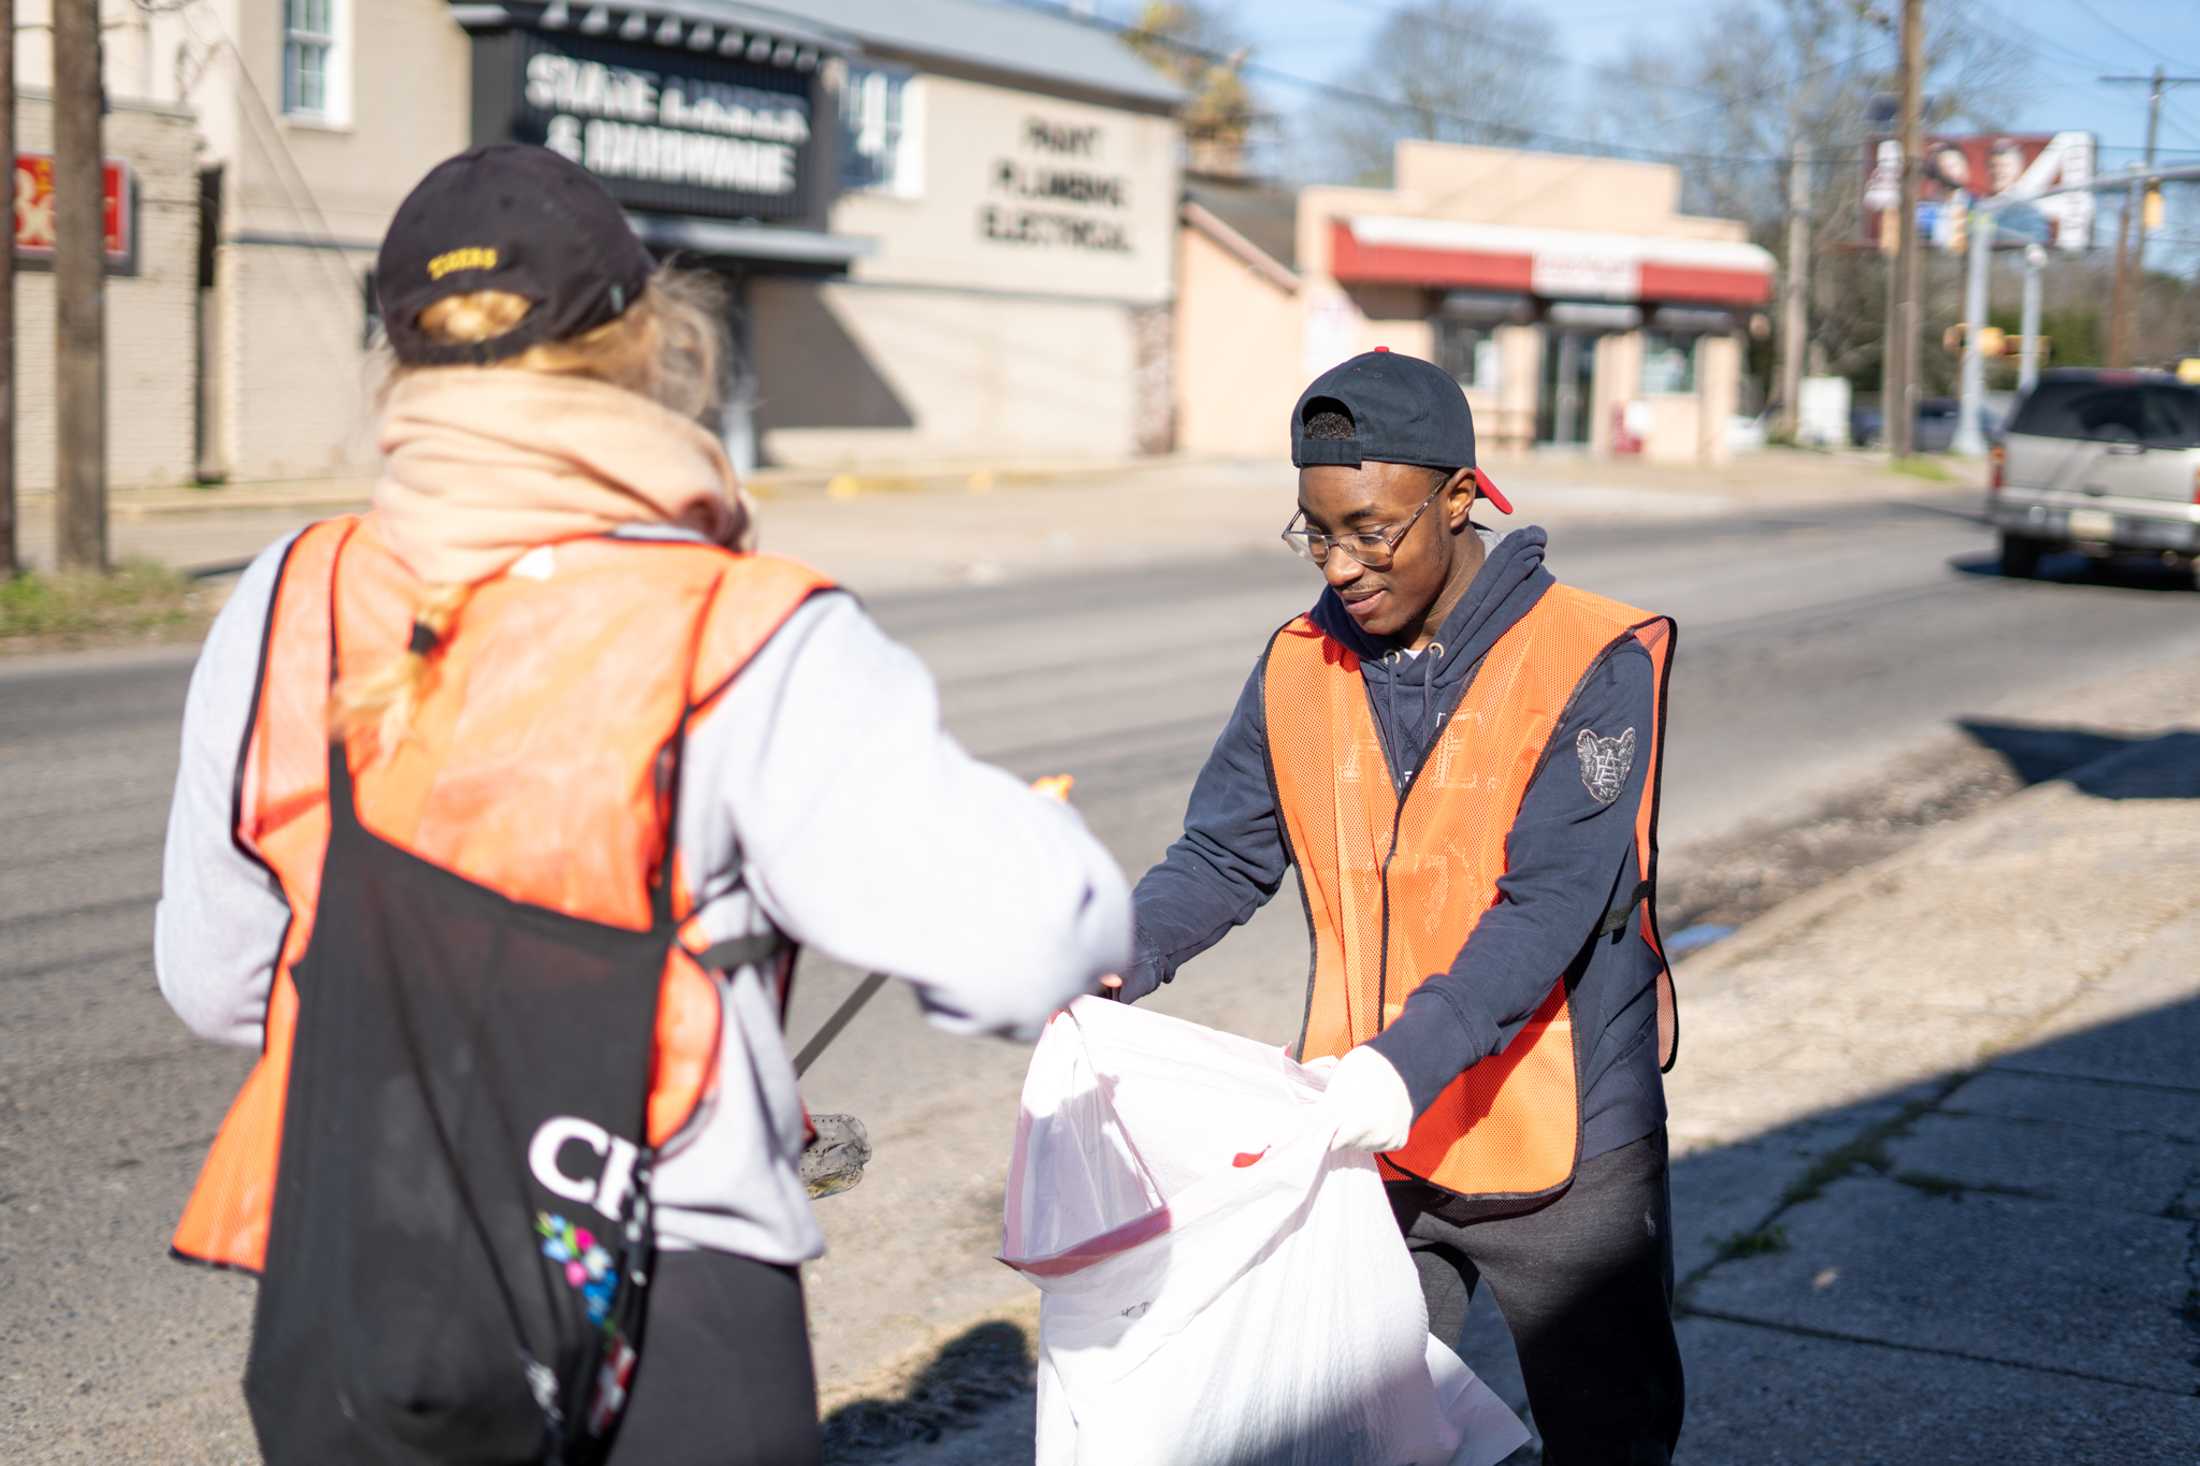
(152, 352)
(1015, 303)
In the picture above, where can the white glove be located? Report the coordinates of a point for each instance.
(1367, 1101)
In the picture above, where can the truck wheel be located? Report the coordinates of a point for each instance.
(2019, 556)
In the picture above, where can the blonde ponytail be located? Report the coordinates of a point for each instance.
(375, 709)
(670, 346)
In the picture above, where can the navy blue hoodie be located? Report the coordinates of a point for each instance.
(1570, 858)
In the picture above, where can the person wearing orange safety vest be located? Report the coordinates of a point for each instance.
(502, 811)
(1459, 754)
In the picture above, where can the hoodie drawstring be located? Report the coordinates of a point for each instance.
(1429, 660)
(1396, 660)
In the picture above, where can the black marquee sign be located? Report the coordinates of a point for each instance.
(668, 130)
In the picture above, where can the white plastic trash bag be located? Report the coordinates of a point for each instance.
(1220, 1290)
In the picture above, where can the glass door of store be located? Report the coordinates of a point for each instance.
(1569, 376)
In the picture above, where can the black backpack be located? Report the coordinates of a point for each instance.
(459, 1252)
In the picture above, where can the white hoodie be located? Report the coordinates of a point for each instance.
(820, 795)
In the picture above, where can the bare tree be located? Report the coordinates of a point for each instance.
(1198, 46)
(1735, 93)
(1469, 71)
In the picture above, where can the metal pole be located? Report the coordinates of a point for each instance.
(1794, 320)
(9, 565)
(2028, 372)
(80, 325)
(2138, 288)
(1972, 402)
(1901, 409)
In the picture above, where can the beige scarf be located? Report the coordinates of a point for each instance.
(480, 465)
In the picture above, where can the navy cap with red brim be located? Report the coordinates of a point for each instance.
(1402, 409)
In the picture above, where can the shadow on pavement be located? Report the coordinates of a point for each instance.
(2071, 568)
(1999, 1264)
(2164, 766)
(973, 1373)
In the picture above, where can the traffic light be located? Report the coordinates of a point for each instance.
(2150, 216)
(1992, 340)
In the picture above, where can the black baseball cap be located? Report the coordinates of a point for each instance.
(507, 217)
(1403, 410)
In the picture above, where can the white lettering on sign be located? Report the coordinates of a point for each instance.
(606, 1192)
(663, 155)
(626, 122)
(695, 104)
(562, 84)
(1579, 274)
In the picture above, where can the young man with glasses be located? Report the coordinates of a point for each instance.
(1459, 756)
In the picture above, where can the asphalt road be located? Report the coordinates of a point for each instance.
(1815, 647)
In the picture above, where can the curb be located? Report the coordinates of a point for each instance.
(792, 485)
(2175, 745)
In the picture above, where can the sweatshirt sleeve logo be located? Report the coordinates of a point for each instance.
(1605, 763)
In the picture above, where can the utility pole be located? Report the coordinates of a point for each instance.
(80, 315)
(9, 565)
(1901, 407)
(2131, 251)
(1794, 320)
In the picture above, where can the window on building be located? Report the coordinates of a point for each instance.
(1468, 350)
(878, 136)
(312, 84)
(1668, 361)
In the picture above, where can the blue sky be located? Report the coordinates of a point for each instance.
(2071, 42)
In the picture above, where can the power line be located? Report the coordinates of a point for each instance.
(2148, 47)
(1498, 42)
(1584, 146)
(1337, 91)
(2043, 47)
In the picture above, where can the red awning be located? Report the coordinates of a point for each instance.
(1553, 263)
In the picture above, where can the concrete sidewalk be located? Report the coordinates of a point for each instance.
(947, 524)
(1937, 1129)
(1936, 1133)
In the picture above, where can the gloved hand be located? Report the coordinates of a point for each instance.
(1367, 1101)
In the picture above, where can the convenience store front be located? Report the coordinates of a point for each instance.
(1575, 305)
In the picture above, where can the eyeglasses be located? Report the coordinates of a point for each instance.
(1373, 548)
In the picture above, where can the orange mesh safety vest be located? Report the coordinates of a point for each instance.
(540, 764)
(1394, 890)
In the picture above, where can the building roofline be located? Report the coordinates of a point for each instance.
(641, 21)
(1151, 92)
(1249, 254)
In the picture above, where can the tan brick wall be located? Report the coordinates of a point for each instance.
(1719, 389)
(152, 356)
(291, 359)
(1237, 353)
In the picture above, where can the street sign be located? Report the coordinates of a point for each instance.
(34, 210)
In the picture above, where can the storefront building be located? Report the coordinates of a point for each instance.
(944, 227)
(1573, 302)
